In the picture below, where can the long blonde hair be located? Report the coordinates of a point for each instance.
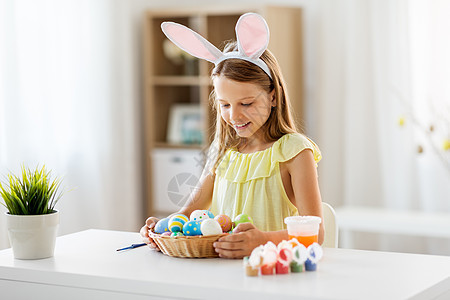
(280, 121)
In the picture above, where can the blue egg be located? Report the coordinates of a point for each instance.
(192, 228)
(210, 214)
(162, 226)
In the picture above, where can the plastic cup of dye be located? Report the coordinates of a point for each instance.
(303, 228)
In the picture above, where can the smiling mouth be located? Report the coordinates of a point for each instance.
(241, 126)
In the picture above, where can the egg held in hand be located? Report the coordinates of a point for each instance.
(210, 227)
(242, 218)
(162, 226)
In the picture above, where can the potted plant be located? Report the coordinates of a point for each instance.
(32, 220)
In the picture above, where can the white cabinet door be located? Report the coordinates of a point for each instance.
(175, 175)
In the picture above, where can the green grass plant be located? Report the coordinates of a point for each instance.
(34, 192)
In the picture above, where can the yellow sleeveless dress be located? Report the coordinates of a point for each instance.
(251, 182)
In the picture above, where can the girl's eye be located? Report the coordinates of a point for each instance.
(224, 105)
(246, 104)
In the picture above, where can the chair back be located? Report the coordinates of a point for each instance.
(330, 226)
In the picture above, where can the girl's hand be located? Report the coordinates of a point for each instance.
(244, 239)
(149, 224)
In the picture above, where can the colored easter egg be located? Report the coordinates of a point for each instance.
(210, 227)
(242, 218)
(199, 215)
(176, 222)
(224, 221)
(210, 214)
(192, 228)
(162, 226)
(176, 234)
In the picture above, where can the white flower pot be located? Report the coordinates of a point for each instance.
(32, 236)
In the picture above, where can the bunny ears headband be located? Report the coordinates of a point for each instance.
(252, 35)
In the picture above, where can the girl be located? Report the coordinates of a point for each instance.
(257, 164)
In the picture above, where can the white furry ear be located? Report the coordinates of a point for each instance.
(191, 42)
(252, 35)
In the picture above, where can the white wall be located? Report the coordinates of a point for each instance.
(127, 17)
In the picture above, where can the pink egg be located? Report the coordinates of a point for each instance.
(224, 221)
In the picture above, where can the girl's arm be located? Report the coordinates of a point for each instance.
(303, 172)
(200, 198)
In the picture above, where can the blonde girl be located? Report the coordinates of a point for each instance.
(258, 163)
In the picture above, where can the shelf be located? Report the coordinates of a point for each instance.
(180, 80)
(178, 146)
(169, 83)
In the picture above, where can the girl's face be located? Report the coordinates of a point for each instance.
(244, 106)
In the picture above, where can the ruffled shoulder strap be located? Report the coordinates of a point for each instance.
(242, 167)
(289, 145)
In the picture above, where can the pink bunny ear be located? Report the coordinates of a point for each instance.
(190, 41)
(252, 35)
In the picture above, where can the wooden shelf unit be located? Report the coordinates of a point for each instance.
(166, 83)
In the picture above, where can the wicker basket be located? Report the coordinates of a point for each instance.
(187, 246)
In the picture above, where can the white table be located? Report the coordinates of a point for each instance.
(87, 266)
